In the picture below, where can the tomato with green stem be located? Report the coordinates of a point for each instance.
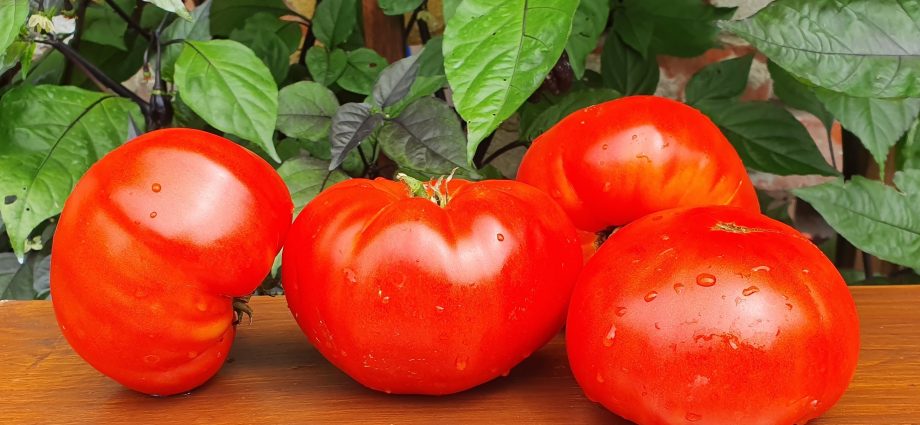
(712, 315)
(153, 244)
(410, 296)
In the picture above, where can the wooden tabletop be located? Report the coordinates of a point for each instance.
(274, 376)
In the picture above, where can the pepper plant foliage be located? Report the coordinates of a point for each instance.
(308, 95)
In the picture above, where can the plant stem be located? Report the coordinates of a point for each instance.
(131, 22)
(95, 73)
(75, 41)
(308, 41)
(498, 152)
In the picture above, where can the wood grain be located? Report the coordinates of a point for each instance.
(383, 33)
(274, 376)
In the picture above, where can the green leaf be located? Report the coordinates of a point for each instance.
(587, 25)
(430, 77)
(334, 21)
(797, 95)
(227, 15)
(678, 27)
(117, 64)
(721, 80)
(625, 70)
(767, 137)
(395, 81)
(874, 217)
(634, 29)
(326, 67)
(174, 6)
(909, 153)
(13, 14)
(198, 28)
(496, 54)
(399, 7)
(863, 48)
(229, 87)
(18, 285)
(9, 266)
(258, 33)
(448, 8)
(566, 105)
(10, 57)
(305, 177)
(305, 110)
(104, 27)
(426, 136)
(352, 123)
(878, 123)
(25, 58)
(49, 136)
(361, 71)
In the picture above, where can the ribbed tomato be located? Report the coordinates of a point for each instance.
(712, 315)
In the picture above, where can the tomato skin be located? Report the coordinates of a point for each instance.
(407, 297)
(680, 318)
(611, 163)
(153, 243)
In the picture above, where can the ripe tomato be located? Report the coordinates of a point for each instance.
(611, 163)
(712, 314)
(407, 296)
(153, 244)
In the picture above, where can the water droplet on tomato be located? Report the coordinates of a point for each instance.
(732, 342)
(599, 378)
(761, 269)
(388, 391)
(635, 137)
(506, 373)
(607, 186)
(152, 358)
(788, 306)
(678, 287)
(557, 193)
(665, 237)
(705, 280)
(649, 297)
(385, 300)
(343, 353)
(604, 146)
(439, 309)
(351, 276)
(202, 306)
(219, 354)
(156, 187)
(153, 214)
(612, 333)
(500, 237)
(750, 290)
(621, 311)
(693, 417)
(805, 271)
(814, 404)
(461, 363)
(657, 326)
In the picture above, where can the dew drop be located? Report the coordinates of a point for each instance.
(439, 309)
(557, 193)
(385, 300)
(500, 237)
(153, 214)
(344, 353)
(152, 358)
(461, 363)
(805, 271)
(604, 146)
(649, 297)
(599, 378)
(788, 306)
(732, 343)
(665, 237)
(705, 279)
(678, 287)
(760, 269)
(156, 187)
(351, 276)
(693, 417)
(621, 311)
(814, 404)
(635, 137)
(750, 290)
(612, 333)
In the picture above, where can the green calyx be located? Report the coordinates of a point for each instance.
(436, 192)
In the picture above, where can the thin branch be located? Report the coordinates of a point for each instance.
(131, 22)
(75, 41)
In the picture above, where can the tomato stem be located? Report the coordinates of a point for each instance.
(241, 307)
(432, 192)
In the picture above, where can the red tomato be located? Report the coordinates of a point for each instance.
(153, 244)
(611, 163)
(406, 296)
(713, 315)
